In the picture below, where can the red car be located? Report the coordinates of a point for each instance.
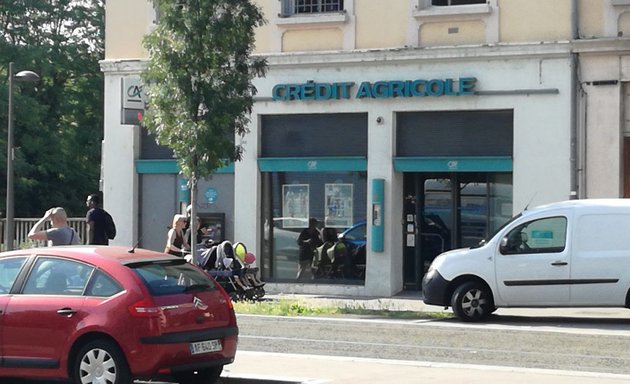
(111, 315)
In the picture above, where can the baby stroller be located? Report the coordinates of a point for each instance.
(248, 273)
(209, 260)
(217, 260)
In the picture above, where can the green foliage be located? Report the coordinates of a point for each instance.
(199, 80)
(59, 121)
(285, 307)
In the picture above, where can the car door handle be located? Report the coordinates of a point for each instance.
(66, 312)
(559, 263)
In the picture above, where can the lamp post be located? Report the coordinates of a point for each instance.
(9, 229)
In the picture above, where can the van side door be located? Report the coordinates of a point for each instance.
(532, 263)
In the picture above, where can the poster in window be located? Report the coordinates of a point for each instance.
(339, 208)
(295, 201)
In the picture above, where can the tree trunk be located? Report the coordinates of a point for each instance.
(193, 217)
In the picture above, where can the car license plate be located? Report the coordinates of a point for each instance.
(205, 346)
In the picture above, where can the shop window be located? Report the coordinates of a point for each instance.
(338, 201)
(305, 7)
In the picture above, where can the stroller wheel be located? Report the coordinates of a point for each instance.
(250, 294)
(234, 296)
(260, 292)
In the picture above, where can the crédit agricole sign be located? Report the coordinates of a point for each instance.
(374, 90)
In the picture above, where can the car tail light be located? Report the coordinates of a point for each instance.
(145, 308)
(229, 303)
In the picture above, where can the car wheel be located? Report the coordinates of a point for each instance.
(101, 362)
(472, 302)
(203, 376)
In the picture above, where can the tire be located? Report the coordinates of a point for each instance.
(472, 301)
(101, 362)
(204, 376)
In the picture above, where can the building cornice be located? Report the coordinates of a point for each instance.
(620, 46)
(561, 49)
(123, 66)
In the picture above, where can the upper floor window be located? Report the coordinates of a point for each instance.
(456, 2)
(301, 7)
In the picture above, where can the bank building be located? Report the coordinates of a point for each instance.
(411, 127)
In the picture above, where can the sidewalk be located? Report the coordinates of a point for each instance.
(263, 367)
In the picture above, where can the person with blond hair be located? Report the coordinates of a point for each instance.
(60, 232)
(176, 243)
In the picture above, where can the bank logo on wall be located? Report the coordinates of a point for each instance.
(375, 90)
(134, 100)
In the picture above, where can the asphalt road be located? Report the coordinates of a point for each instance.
(580, 344)
(596, 345)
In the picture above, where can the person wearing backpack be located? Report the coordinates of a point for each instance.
(101, 227)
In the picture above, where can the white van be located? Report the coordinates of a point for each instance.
(570, 254)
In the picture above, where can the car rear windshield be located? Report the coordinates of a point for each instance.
(172, 277)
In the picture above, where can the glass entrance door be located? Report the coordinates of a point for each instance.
(444, 211)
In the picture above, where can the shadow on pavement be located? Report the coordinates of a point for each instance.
(237, 380)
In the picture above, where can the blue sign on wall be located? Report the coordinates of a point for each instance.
(184, 191)
(211, 195)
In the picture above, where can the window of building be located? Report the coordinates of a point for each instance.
(302, 7)
(456, 2)
(338, 201)
(313, 166)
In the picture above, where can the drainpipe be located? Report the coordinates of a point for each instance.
(574, 108)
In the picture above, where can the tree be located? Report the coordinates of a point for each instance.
(199, 81)
(59, 121)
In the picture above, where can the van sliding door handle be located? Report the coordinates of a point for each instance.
(559, 263)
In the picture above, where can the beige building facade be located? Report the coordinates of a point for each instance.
(423, 125)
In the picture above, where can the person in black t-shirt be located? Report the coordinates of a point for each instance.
(96, 220)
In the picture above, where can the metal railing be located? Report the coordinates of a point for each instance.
(298, 7)
(22, 226)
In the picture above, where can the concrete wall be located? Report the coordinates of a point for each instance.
(368, 24)
(604, 103)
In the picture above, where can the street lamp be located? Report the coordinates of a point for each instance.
(9, 232)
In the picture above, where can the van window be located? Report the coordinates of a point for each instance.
(546, 235)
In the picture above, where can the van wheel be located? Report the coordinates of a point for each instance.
(471, 301)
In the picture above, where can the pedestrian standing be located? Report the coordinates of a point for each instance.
(59, 234)
(176, 243)
(97, 222)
